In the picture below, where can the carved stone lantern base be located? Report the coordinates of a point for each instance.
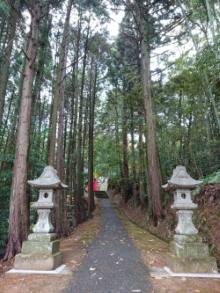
(191, 265)
(185, 225)
(40, 253)
(44, 224)
(187, 252)
(189, 255)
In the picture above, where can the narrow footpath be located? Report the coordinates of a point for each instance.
(113, 263)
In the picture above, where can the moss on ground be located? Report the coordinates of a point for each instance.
(142, 238)
(95, 224)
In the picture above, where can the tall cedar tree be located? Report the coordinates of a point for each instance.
(18, 220)
(145, 14)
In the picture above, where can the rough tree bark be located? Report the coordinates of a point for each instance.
(134, 171)
(76, 110)
(18, 219)
(7, 54)
(60, 79)
(125, 155)
(154, 173)
(60, 85)
(91, 202)
(79, 205)
(142, 174)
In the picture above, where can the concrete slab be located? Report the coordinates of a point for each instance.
(191, 275)
(159, 273)
(37, 262)
(59, 270)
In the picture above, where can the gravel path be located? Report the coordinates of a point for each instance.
(113, 263)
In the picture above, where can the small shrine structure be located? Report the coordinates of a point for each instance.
(42, 250)
(187, 252)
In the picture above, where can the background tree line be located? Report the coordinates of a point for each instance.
(130, 108)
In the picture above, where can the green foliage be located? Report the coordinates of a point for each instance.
(212, 178)
(70, 215)
(166, 197)
(5, 185)
(4, 9)
(145, 195)
(6, 175)
(113, 181)
(206, 234)
(212, 248)
(33, 214)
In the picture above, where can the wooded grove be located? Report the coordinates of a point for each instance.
(129, 105)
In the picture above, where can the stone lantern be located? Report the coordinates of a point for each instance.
(41, 251)
(188, 253)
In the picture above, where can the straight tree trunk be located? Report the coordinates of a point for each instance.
(134, 171)
(91, 202)
(60, 85)
(3, 33)
(3, 142)
(142, 175)
(117, 143)
(18, 219)
(71, 144)
(79, 205)
(43, 46)
(125, 155)
(38, 106)
(7, 54)
(75, 89)
(64, 195)
(154, 173)
(181, 135)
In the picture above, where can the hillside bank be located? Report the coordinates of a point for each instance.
(206, 217)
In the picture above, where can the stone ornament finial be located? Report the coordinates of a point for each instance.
(48, 180)
(181, 179)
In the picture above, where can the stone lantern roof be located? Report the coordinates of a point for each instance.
(48, 180)
(181, 179)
